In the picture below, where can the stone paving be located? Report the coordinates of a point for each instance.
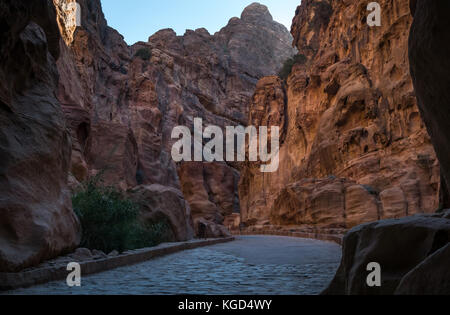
(251, 265)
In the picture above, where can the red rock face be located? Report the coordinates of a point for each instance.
(36, 217)
(421, 249)
(122, 102)
(354, 148)
(417, 260)
(163, 202)
(210, 189)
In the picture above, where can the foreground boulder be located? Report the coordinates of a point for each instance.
(36, 217)
(407, 250)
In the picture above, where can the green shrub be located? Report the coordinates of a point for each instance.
(288, 64)
(110, 221)
(144, 53)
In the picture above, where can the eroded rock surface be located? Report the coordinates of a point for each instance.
(165, 203)
(123, 102)
(353, 145)
(113, 113)
(431, 277)
(210, 189)
(36, 217)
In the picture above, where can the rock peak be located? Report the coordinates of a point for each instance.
(256, 11)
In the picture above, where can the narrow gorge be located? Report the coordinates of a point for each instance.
(122, 104)
(363, 135)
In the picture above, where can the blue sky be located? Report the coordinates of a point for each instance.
(136, 20)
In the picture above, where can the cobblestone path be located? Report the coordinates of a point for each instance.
(251, 265)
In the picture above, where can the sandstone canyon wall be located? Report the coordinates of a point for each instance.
(36, 217)
(354, 148)
(122, 103)
(429, 66)
(413, 252)
(77, 101)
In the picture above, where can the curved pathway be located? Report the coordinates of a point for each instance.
(251, 265)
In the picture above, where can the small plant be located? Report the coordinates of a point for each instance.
(151, 234)
(144, 53)
(288, 64)
(109, 220)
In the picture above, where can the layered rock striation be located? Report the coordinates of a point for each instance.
(429, 67)
(353, 146)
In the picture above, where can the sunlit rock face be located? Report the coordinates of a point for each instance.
(122, 102)
(354, 148)
(36, 217)
(417, 261)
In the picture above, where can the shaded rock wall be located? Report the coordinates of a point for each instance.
(412, 264)
(354, 148)
(36, 217)
(113, 113)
